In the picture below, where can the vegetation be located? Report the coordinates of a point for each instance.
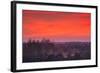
(45, 50)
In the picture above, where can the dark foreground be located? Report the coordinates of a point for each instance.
(35, 51)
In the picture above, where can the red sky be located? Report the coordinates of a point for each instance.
(56, 26)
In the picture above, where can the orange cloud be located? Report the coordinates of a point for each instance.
(56, 25)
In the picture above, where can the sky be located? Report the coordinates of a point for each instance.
(56, 26)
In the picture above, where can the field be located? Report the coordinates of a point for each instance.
(45, 50)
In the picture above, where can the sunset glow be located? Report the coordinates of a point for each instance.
(56, 26)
